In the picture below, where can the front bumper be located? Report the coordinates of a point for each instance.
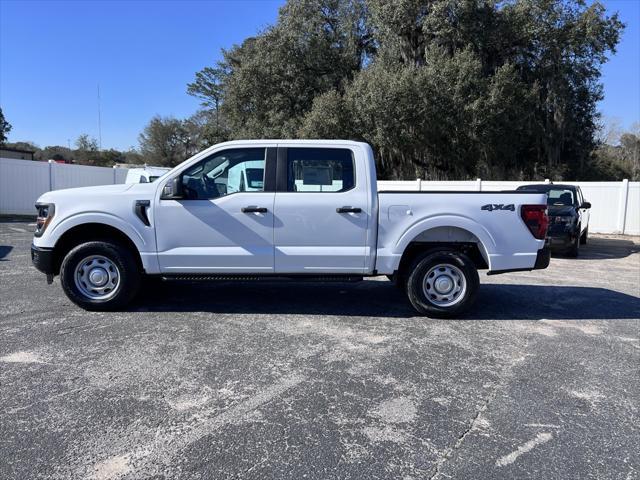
(42, 259)
(561, 237)
(562, 242)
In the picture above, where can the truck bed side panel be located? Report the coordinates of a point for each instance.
(502, 236)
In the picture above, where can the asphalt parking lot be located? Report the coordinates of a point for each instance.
(306, 380)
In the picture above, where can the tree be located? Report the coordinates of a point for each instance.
(204, 129)
(22, 146)
(630, 143)
(87, 152)
(208, 87)
(165, 142)
(618, 157)
(441, 88)
(269, 82)
(132, 157)
(5, 128)
(86, 143)
(576, 41)
(54, 152)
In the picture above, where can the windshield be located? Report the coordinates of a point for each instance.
(560, 197)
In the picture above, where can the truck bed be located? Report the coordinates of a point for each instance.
(492, 220)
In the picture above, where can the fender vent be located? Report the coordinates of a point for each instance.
(141, 211)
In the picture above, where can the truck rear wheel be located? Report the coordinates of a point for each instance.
(100, 275)
(442, 284)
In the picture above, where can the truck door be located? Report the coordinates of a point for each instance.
(322, 211)
(215, 228)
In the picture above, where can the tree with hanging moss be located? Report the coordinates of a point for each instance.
(441, 88)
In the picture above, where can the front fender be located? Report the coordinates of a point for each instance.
(53, 234)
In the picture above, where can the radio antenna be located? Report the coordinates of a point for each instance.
(99, 122)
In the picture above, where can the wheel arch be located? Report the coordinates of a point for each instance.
(451, 235)
(93, 231)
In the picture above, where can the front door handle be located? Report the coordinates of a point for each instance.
(348, 210)
(253, 209)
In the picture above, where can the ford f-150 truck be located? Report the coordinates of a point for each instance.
(300, 208)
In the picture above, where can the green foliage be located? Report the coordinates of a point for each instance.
(167, 141)
(87, 143)
(163, 141)
(5, 128)
(55, 152)
(441, 88)
(23, 146)
(621, 160)
(269, 82)
(86, 153)
(208, 88)
(329, 114)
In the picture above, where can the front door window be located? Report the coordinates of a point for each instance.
(224, 173)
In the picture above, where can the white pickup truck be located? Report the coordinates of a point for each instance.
(290, 209)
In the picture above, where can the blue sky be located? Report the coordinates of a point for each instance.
(54, 54)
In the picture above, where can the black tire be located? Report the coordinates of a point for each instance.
(422, 266)
(584, 236)
(574, 249)
(126, 285)
(396, 279)
(151, 285)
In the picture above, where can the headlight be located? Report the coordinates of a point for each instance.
(45, 214)
(563, 220)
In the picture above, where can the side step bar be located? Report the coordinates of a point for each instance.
(269, 278)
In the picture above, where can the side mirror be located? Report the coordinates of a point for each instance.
(585, 205)
(172, 189)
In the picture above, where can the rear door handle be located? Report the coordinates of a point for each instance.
(253, 209)
(348, 210)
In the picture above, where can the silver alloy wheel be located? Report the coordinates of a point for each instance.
(97, 277)
(444, 285)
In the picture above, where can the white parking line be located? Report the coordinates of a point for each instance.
(526, 447)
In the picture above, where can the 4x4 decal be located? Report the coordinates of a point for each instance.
(493, 206)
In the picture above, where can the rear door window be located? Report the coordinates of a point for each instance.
(320, 170)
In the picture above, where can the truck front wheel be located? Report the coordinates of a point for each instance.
(100, 275)
(442, 284)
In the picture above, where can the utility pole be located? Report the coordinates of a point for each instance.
(99, 122)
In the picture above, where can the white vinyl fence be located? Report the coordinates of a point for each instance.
(23, 181)
(615, 205)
